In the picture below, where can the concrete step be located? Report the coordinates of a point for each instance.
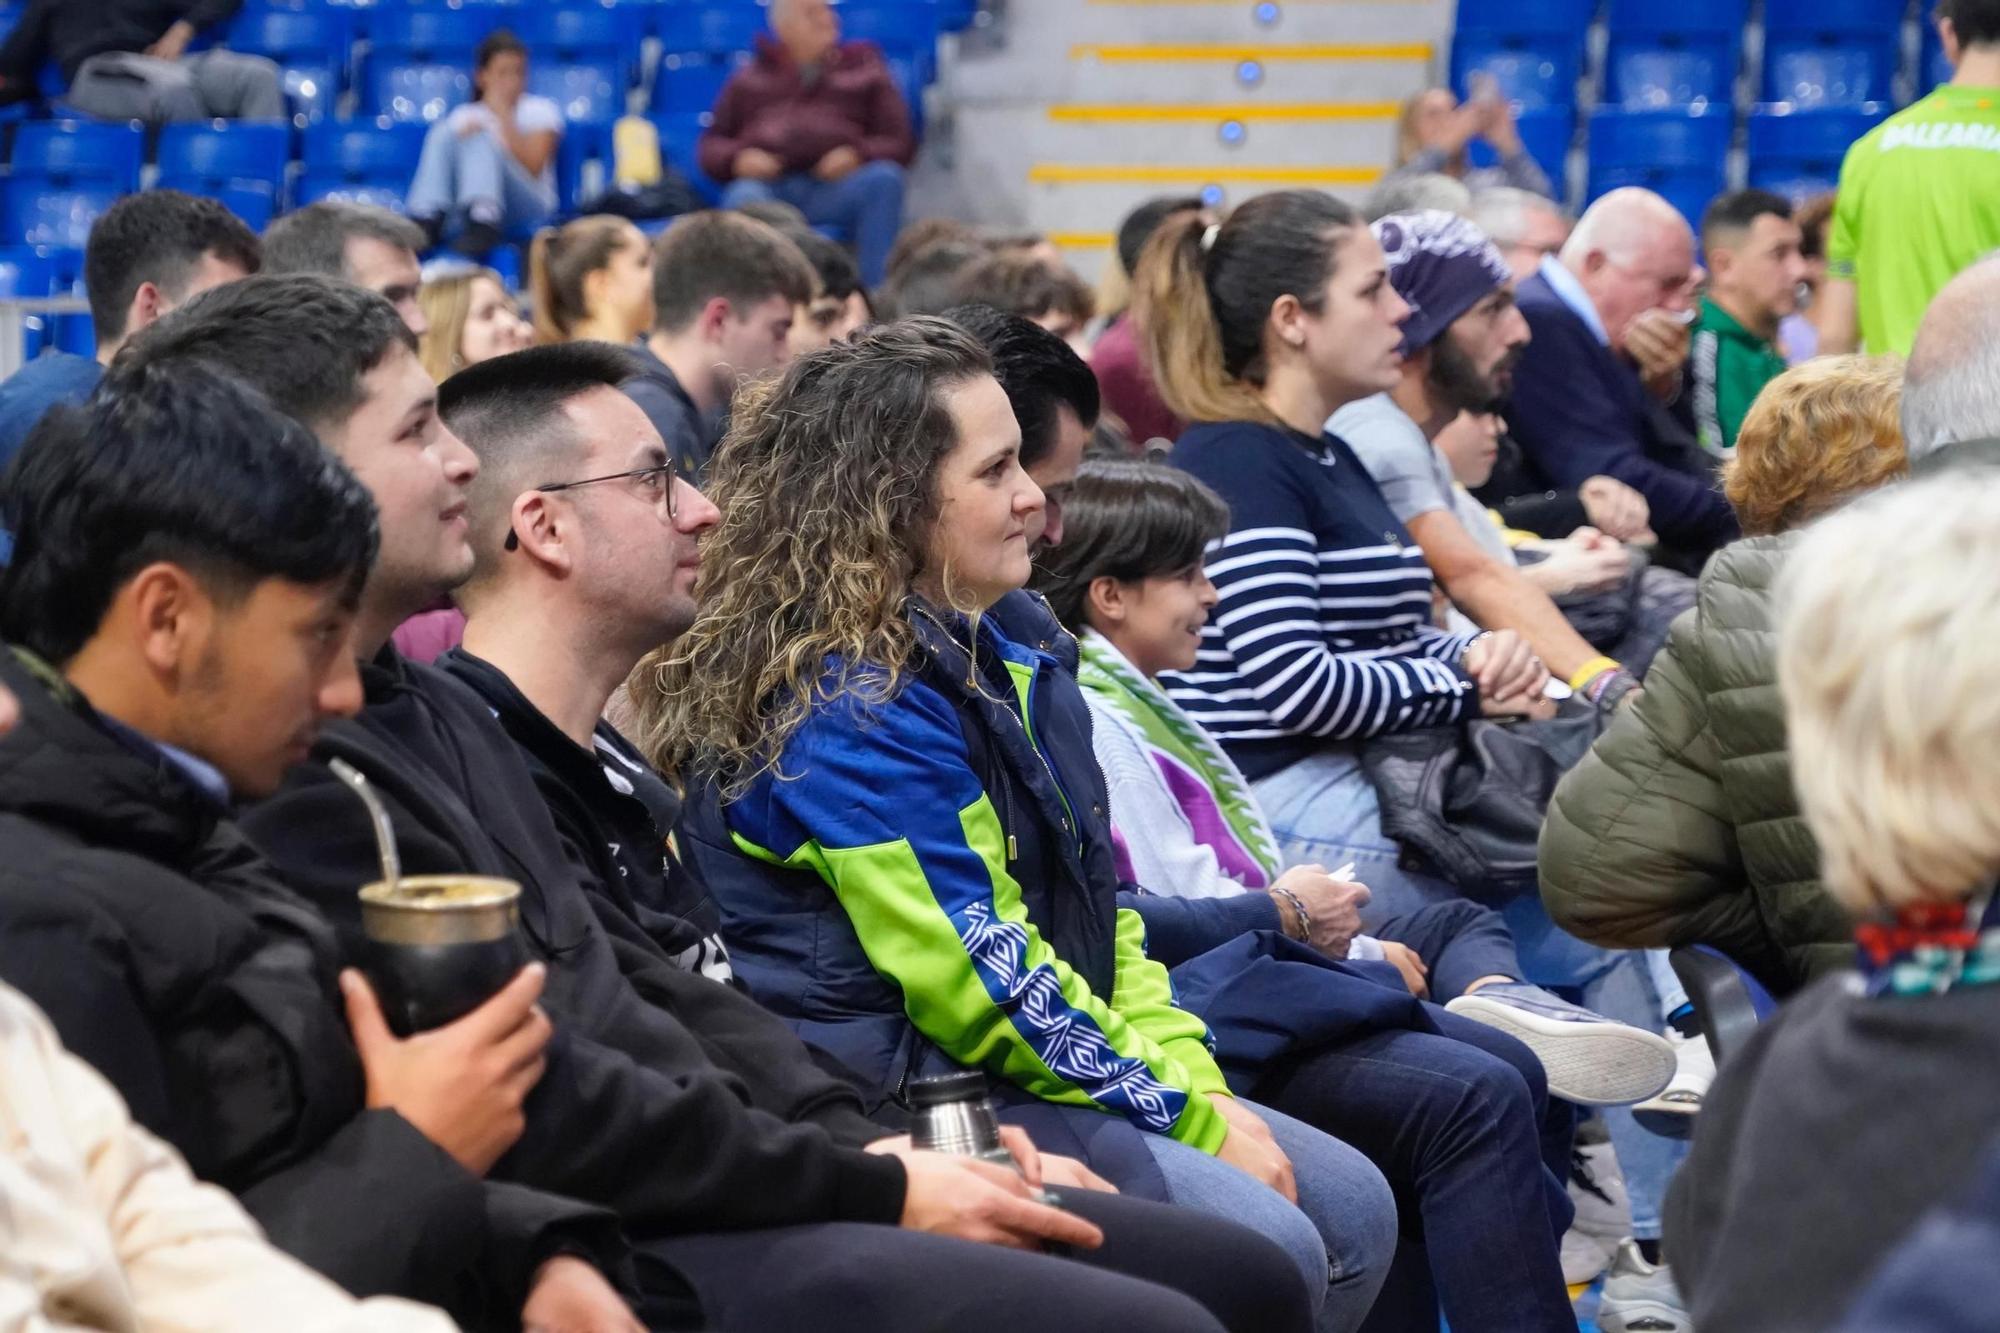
(1199, 133)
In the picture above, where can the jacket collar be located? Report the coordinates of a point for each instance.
(529, 726)
(63, 767)
(1571, 293)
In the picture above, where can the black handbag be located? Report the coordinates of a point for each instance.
(1466, 802)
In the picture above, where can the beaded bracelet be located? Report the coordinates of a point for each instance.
(1299, 907)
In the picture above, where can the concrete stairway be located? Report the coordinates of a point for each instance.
(1063, 114)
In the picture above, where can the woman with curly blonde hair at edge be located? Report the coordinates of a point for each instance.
(1869, 1098)
(1680, 827)
(907, 847)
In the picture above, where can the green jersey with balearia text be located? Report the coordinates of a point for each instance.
(1919, 200)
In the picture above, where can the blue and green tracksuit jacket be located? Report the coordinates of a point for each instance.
(914, 892)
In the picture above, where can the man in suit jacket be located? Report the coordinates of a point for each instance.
(1580, 408)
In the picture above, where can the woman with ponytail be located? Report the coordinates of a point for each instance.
(1322, 638)
(591, 279)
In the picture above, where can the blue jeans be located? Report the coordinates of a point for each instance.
(1343, 1232)
(1461, 1125)
(1323, 809)
(475, 178)
(867, 203)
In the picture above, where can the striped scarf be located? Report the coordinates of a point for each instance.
(1210, 790)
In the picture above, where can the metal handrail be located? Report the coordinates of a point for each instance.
(15, 311)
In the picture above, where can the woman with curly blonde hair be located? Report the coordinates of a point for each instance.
(906, 835)
(1681, 826)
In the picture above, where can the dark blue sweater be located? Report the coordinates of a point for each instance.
(1580, 412)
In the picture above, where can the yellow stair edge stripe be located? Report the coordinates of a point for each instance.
(1059, 173)
(1074, 113)
(1083, 240)
(1236, 53)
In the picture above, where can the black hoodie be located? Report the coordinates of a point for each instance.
(169, 956)
(648, 1106)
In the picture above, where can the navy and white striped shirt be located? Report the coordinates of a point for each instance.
(1324, 627)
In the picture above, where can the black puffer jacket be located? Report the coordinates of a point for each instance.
(169, 957)
(1681, 825)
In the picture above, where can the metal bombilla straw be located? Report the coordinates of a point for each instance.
(385, 833)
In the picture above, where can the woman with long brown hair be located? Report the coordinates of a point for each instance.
(591, 279)
(906, 842)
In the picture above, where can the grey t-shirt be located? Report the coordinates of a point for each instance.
(1413, 476)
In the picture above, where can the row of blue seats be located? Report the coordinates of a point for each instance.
(1682, 153)
(1815, 52)
(62, 174)
(419, 53)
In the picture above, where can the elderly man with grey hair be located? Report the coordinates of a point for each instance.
(1951, 384)
(367, 246)
(1581, 407)
(1527, 227)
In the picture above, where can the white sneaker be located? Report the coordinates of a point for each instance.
(1590, 1059)
(1671, 1114)
(1640, 1297)
(1603, 1213)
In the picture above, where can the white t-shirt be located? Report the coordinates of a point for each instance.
(533, 114)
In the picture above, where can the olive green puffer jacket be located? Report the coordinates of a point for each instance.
(1681, 825)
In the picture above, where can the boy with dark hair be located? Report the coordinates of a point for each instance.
(725, 289)
(182, 638)
(840, 306)
(148, 253)
(1755, 266)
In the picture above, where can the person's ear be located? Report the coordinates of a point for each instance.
(1288, 321)
(148, 304)
(171, 614)
(541, 532)
(714, 317)
(1948, 40)
(1105, 602)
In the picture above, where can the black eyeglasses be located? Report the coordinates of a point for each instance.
(659, 476)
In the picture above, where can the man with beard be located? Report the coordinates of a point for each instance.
(1461, 343)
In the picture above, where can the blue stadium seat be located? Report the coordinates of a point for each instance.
(35, 210)
(1530, 69)
(582, 143)
(1546, 133)
(709, 27)
(364, 161)
(688, 84)
(420, 61)
(678, 136)
(1673, 55)
(311, 44)
(584, 56)
(906, 28)
(1797, 152)
(1831, 52)
(1525, 15)
(240, 162)
(224, 150)
(1677, 154)
(80, 150)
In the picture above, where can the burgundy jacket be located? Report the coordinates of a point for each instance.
(767, 104)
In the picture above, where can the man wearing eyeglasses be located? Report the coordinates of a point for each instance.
(1582, 406)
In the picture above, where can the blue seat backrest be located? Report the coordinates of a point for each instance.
(42, 212)
(1529, 70)
(709, 28)
(80, 150)
(588, 91)
(679, 133)
(1651, 71)
(689, 84)
(1830, 69)
(364, 151)
(225, 150)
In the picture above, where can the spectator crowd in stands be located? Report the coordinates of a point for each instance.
(1267, 719)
